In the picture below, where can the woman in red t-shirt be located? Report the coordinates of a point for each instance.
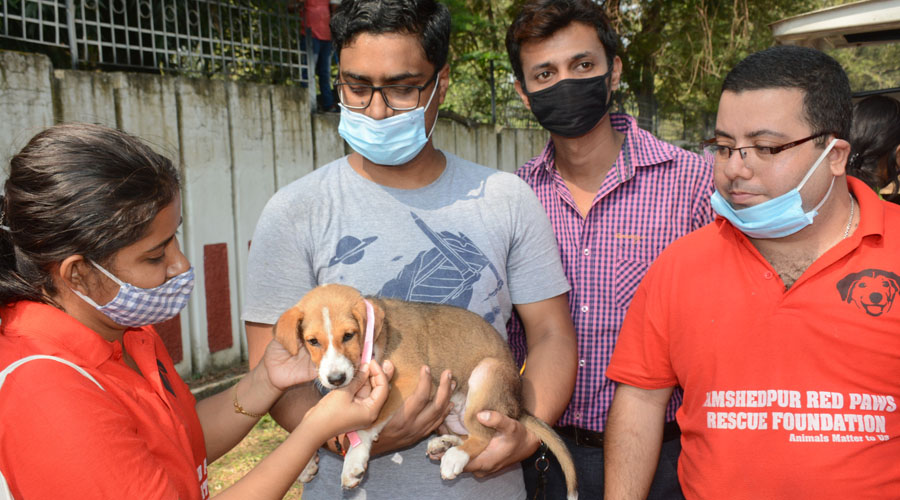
(89, 217)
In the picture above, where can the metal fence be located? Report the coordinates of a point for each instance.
(255, 40)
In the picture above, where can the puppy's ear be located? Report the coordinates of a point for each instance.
(845, 286)
(359, 312)
(287, 330)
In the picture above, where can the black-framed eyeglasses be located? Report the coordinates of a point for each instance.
(396, 97)
(723, 152)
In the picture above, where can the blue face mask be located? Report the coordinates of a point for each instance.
(778, 217)
(392, 141)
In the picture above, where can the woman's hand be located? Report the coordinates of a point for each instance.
(356, 405)
(285, 370)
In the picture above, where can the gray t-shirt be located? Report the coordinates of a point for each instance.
(475, 238)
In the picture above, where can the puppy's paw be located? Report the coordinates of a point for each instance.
(351, 478)
(311, 469)
(353, 472)
(438, 445)
(453, 462)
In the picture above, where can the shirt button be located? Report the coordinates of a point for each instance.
(768, 275)
(584, 309)
(587, 251)
(581, 362)
(577, 416)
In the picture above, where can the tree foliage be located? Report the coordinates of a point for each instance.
(482, 88)
(677, 53)
(871, 67)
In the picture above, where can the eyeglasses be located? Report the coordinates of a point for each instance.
(396, 97)
(723, 153)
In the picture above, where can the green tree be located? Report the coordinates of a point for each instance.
(482, 89)
(871, 67)
(677, 53)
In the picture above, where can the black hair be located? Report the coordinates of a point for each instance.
(540, 19)
(428, 20)
(874, 138)
(76, 189)
(826, 89)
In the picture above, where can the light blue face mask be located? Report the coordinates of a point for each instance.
(778, 217)
(392, 141)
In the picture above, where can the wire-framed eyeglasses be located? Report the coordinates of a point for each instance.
(396, 97)
(723, 153)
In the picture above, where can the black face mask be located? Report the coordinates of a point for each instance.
(573, 107)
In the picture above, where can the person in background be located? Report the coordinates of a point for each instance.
(316, 19)
(778, 320)
(400, 218)
(90, 403)
(616, 196)
(875, 145)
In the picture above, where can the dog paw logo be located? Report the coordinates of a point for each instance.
(872, 290)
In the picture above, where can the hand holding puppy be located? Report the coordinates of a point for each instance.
(511, 444)
(420, 415)
(355, 405)
(285, 370)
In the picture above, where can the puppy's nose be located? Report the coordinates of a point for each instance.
(336, 379)
(875, 297)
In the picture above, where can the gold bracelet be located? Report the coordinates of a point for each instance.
(240, 409)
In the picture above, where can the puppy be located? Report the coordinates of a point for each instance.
(330, 322)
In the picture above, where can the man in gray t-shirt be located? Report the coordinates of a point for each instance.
(398, 218)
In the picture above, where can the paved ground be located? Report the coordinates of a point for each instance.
(213, 382)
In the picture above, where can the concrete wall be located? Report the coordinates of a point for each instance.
(235, 145)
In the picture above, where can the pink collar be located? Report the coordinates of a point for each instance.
(370, 329)
(366, 357)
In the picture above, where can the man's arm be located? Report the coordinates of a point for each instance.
(552, 362)
(547, 385)
(632, 441)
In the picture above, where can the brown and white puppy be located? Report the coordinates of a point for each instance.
(330, 322)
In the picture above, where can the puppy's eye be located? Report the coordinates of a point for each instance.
(312, 341)
(348, 336)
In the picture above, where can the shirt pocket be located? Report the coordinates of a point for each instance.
(634, 254)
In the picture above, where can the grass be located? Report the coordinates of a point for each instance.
(264, 438)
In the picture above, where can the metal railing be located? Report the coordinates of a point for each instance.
(259, 40)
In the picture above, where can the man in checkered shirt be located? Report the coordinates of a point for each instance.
(616, 196)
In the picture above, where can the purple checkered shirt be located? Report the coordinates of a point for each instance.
(653, 194)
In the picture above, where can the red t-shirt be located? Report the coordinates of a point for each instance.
(63, 437)
(787, 394)
(316, 17)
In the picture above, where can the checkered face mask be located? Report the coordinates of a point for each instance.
(135, 306)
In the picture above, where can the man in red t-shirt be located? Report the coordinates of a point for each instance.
(777, 319)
